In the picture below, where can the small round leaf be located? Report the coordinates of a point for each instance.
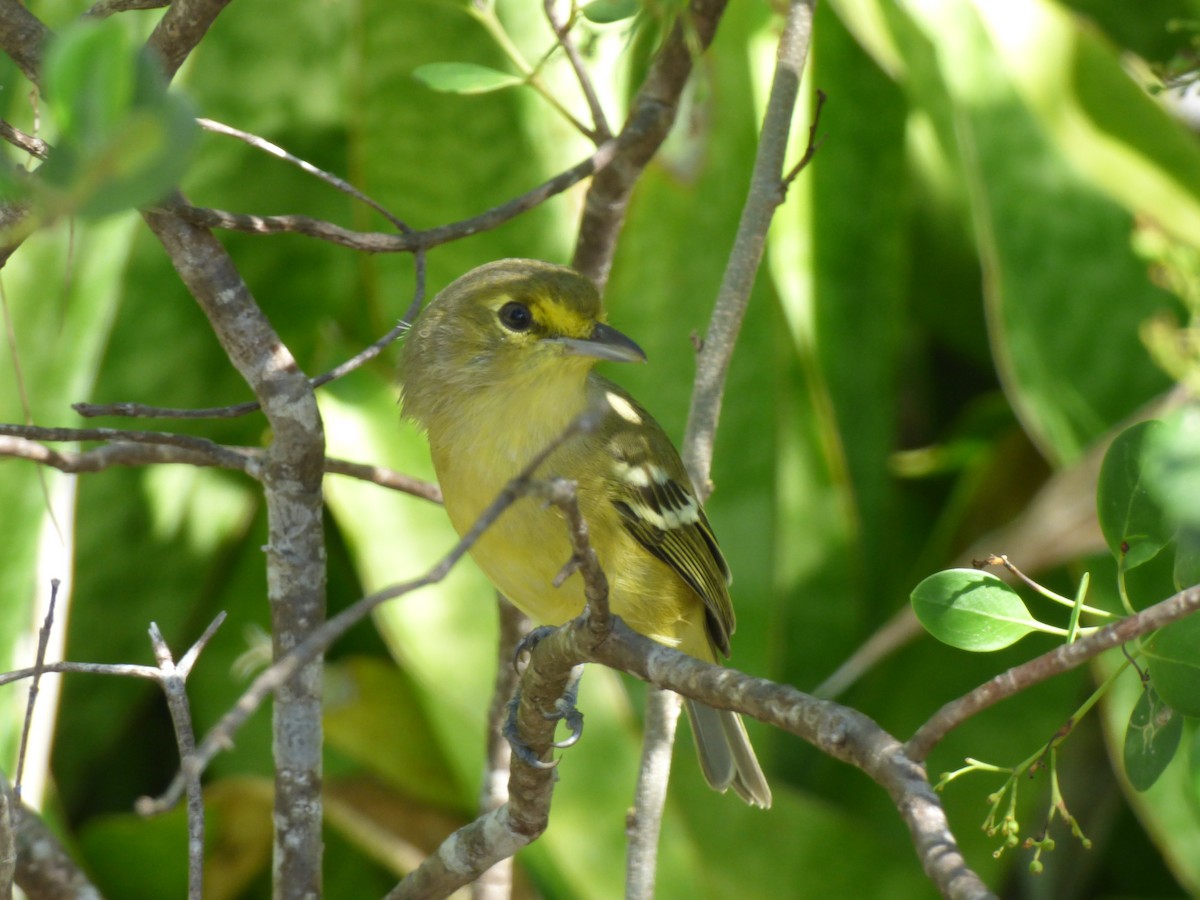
(971, 610)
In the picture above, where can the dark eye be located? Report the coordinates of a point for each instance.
(516, 316)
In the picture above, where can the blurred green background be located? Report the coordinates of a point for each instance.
(949, 311)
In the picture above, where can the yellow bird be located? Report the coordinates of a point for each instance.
(494, 370)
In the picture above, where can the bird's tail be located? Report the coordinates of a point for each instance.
(726, 757)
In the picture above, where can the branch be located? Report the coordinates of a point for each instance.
(496, 882)
(765, 195)
(293, 467)
(1059, 660)
(34, 146)
(22, 37)
(651, 116)
(388, 242)
(711, 367)
(562, 31)
(105, 8)
(8, 839)
(243, 459)
(173, 679)
(182, 28)
(278, 152)
(43, 867)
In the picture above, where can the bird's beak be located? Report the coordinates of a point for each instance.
(605, 343)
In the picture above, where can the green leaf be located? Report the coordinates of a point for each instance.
(971, 610)
(124, 140)
(1151, 739)
(90, 80)
(604, 12)
(1171, 466)
(1175, 665)
(1130, 518)
(1187, 557)
(465, 78)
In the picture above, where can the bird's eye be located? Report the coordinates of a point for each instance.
(516, 316)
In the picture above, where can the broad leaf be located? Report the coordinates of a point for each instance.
(1130, 517)
(971, 610)
(1151, 739)
(1175, 665)
(1171, 466)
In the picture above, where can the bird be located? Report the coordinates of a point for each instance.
(496, 368)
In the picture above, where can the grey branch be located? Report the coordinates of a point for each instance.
(293, 468)
(712, 362)
(496, 882)
(651, 116)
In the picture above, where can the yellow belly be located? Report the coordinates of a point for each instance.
(527, 547)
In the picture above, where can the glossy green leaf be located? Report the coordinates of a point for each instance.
(464, 78)
(1151, 739)
(1130, 517)
(1187, 558)
(1171, 466)
(971, 610)
(1174, 661)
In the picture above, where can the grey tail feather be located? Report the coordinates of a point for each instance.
(726, 757)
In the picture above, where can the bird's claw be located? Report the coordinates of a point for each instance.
(564, 710)
(532, 638)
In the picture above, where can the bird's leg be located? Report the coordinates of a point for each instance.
(564, 707)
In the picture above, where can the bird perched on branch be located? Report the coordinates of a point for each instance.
(494, 370)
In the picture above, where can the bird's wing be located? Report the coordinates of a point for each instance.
(651, 491)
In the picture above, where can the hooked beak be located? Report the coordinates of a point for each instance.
(605, 343)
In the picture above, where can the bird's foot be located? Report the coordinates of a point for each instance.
(564, 710)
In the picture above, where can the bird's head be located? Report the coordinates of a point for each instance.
(506, 324)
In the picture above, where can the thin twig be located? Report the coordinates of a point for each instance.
(173, 680)
(388, 242)
(140, 410)
(118, 670)
(712, 366)
(241, 459)
(1061, 659)
(644, 823)
(329, 178)
(201, 447)
(562, 31)
(38, 668)
(811, 148)
(712, 361)
(34, 146)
